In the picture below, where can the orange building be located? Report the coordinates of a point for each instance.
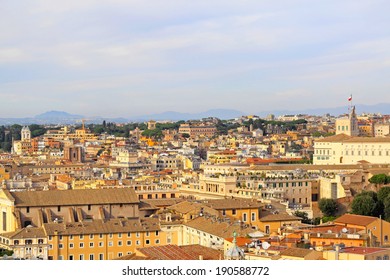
(100, 239)
(377, 228)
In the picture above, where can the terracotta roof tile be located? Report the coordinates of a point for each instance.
(355, 220)
(363, 250)
(166, 252)
(296, 252)
(218, 228)
(267, 216)
(207, 253)
(28, 232)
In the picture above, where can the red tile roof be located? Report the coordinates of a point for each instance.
(167, 252)
(241, 241)
(174, 252)
(363, 250)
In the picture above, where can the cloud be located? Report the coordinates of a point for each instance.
(13, 55)
(183, 53)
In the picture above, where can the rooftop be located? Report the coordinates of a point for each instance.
(74, 197)
(359, 220)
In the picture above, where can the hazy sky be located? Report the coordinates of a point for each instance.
(128, 57)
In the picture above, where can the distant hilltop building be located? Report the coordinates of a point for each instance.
(290, 118)
(26, 133)
(151, 125)
(23, 146)
(197, 129)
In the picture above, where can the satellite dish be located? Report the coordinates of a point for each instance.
(265, 245)
(344, 230)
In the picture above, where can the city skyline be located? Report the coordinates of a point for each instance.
(128, 58)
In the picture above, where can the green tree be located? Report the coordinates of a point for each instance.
(304, 216)
(386, 211)
(328, 206)
(383, 193)
(364, 205)
(379, 179)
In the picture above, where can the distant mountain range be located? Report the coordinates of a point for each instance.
(61, 118)
(57, 115)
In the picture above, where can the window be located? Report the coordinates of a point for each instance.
(253, 218)
(119, 235)
(28, 210)
(386, 238)
(60, 246)
(120, 254)
(224, 212)
(129, 234)
(120, 243)
(71, 237)
(110, 243)
(58, 208)
(137, 234)
(90, 244)
(234, 211)
(110, 235)
(137, 242)
(91, 236)
(147, 241)
(71, 245)
(71, 257)
(91, 257)
(100, 235)
(157, 241)
(156, 233)
(244, 217)
(89, 207)
(81, 236)
(147, 233)
(101, 257)
(81, 245)
(128, 242)
(101, 244)
(60, 237)
(81, 257)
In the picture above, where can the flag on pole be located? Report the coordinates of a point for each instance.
(350, 98)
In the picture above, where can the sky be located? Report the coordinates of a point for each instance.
(123, 58)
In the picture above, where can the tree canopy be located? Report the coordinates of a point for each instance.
(328, 206)
(379, 179)
(367, 204)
